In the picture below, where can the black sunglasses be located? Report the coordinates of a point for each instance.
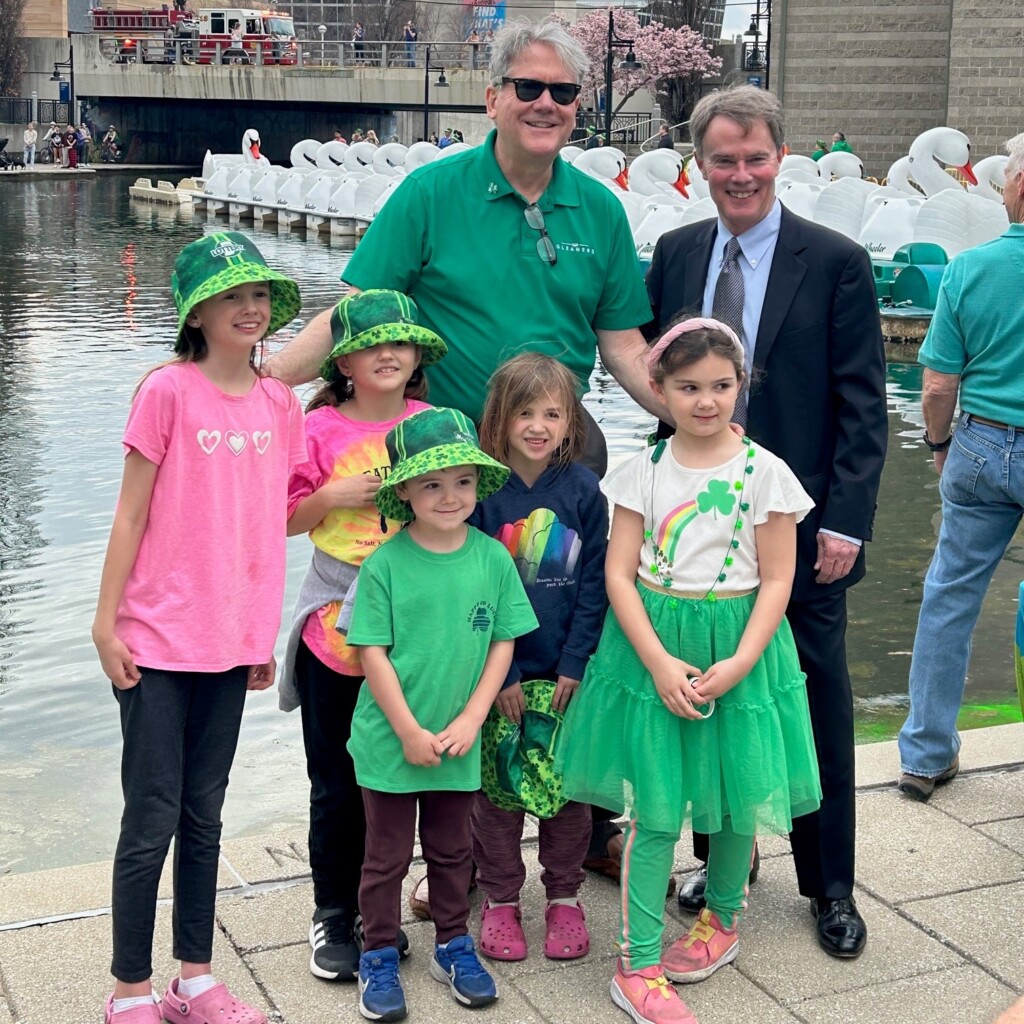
(529, 89)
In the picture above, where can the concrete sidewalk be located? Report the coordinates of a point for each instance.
(941, 886)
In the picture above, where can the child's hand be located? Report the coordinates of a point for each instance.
(352, 491)
(672, 681)
(117, 662)
(261, 676)
(423, 749)
(459, 737)
(511, 702)
(720, 678)
(564, 689)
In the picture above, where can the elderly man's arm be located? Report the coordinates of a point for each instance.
(938, 404)
(300, 360)
(624, 354)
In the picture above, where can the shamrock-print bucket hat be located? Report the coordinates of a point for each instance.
(214, 263)
(517, 770)
(376, 317)
(429, 440)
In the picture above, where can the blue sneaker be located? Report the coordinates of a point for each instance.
(456, 964)
(380, 988)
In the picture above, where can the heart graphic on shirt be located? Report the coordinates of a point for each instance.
(237, 440)
(208, 440)
(261, 439)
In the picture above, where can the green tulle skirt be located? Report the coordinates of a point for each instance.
(752, 760)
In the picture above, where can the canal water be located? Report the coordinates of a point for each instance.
(85, 309)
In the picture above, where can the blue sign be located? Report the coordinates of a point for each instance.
(65, 92)
(754, 80)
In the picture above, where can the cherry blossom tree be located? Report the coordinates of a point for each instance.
(12, 47)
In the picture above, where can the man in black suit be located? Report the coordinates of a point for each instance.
(811, 329)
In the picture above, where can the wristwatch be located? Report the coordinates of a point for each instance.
(941, 446)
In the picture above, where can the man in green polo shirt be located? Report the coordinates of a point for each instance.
(507, 248)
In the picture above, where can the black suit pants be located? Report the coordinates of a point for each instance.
(823, 842)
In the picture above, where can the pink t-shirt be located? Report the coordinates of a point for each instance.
(205, 592)
(339, 446)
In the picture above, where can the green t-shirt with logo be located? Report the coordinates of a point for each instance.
(454, 236)
(438, 614)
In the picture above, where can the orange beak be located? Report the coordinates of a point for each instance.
(681, 182)
(623, 180)
(255, 150)
(968, 172)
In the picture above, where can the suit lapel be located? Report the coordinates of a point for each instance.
(784, 279)
(698, 259)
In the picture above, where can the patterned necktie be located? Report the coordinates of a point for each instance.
(728, 307)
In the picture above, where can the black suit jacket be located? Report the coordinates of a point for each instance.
(818, 391)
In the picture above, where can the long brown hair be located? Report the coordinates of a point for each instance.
(517, 383)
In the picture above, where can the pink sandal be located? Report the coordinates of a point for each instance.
(149, 1014)
(567, 937)
(501, 932)
(215, 1006)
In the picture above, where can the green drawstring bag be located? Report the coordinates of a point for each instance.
(517, 767)
(1018, 649)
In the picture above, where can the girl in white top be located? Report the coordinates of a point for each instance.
(694, 708)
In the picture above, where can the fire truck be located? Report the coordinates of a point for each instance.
(152, 36)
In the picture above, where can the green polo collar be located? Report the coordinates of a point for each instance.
(1014, 231)
(562, 190)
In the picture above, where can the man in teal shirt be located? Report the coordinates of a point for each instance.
(974, 349)
(507, 248)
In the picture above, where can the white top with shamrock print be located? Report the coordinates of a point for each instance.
(699, 523)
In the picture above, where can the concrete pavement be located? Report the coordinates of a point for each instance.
(941, 886)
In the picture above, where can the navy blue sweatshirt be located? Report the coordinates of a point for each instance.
(557, 533)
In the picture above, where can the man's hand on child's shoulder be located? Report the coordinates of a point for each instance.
(423, 749)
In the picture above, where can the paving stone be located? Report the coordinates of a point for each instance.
(271, 857)
(779, 948)
(981, 924)
(1009, 832)
(72, 987)
(982, 798)
(908, 850)
(958, 995)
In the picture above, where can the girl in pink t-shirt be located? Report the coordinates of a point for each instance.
(189, 608)
(374, 378)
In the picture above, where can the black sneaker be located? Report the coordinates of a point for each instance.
(335, 947)
(401, 941)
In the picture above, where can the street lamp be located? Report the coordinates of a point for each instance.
(58, 77)
(758, 59)
(441, 83)
(322, 29)
(614, 43)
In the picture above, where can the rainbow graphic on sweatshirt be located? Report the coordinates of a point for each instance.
(541, 546)
(672, 527)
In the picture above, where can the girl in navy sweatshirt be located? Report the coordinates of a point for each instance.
(554, 520)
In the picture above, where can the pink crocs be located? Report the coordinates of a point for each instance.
(215, 1006)
(149, 1014)
(567, 937)
(501, 932)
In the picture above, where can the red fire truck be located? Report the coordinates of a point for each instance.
(228, 35)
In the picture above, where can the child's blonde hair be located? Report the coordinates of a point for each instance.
(517, 383)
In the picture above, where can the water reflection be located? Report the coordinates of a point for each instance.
(85, 309)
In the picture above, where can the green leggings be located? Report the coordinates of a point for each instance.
(646, 865)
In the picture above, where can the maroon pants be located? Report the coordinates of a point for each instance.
(497, 850)
(390, 834)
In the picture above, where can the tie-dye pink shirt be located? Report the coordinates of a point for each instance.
(206, 589)
(339, 446)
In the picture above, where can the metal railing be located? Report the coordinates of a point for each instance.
(18, 110)
(626, 128)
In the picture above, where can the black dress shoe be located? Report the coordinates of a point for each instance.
(691, 891)
(841, 930)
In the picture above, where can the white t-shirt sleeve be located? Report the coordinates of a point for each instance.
(778, 490)
(629, 483)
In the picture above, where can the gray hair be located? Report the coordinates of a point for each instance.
(517, 37)
(744, 104)
(1015, 147)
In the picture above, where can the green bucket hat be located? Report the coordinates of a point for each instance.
(517, 769)
(223, 260)
(429, 440)
(375, 317)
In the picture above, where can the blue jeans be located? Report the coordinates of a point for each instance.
(982, 489)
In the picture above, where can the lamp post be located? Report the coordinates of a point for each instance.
(614, 42)
(322, 29)
(441, 83)
(58, 77)
(759, 59)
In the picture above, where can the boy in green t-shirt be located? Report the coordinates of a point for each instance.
(437, 611)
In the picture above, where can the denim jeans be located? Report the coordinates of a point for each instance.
(29, 156)
(982, 489)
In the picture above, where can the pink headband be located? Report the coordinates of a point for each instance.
(697, 323)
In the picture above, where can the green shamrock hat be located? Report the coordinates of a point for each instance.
(429, 440)
(223, 260)
(517, 769)
(375, 317)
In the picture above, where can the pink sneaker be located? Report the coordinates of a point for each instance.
(567, 937)
(149, 1014)
(707, 946)
(648, 998)
(501, 932)
(215, 1006)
